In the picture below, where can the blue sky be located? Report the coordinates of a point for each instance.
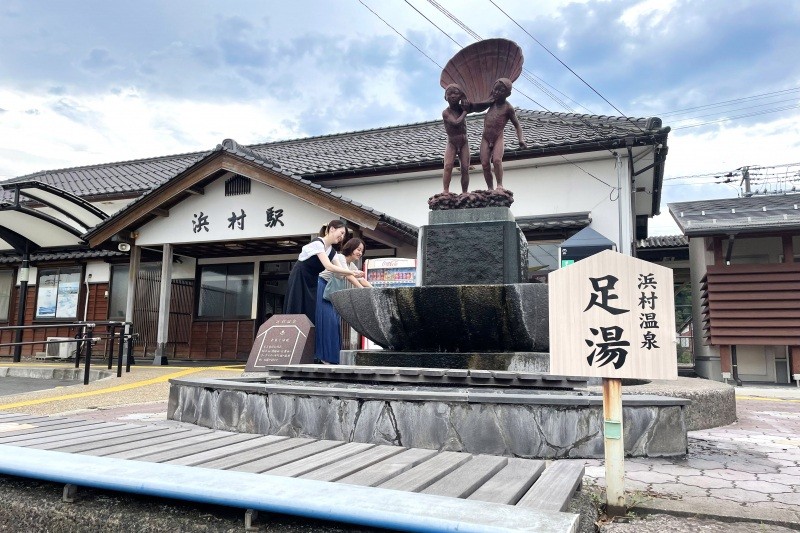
(88, 82)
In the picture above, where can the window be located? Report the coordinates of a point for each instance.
(6, 287)
(119, 292)
(226, 291)
(543, 255)
(57, 293)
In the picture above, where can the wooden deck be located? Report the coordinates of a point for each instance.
(523, 483)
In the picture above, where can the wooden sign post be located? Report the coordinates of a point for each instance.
(613, 316)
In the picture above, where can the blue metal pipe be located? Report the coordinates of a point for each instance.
(351, 504)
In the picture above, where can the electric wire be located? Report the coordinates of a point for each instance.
(566, 66)
(400, 34)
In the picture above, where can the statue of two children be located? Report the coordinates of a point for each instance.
(492, 142)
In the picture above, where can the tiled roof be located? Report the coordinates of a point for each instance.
(232, 147)
(754, 214)
(398, 147)
(664, 241)
(556, 221)
(63, 255)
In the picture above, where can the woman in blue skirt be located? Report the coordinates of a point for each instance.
(327, 321)
(315, 257)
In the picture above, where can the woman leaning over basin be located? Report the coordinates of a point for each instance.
(315, 257)
(328, 342)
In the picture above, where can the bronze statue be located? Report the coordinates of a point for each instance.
(492, 143)
(455, 124)
(471, 85)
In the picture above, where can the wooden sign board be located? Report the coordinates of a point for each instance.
(282, 340)
(613, 316)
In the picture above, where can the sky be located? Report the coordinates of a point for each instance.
(85, 82)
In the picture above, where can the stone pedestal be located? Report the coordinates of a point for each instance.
(532, 362)
(472, 247)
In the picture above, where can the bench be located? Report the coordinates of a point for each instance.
(354, 504)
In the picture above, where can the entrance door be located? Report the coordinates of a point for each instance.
(273, 279)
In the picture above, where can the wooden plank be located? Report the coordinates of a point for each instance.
(147, 432)
(717, 322)
(227, 451)
(178, 441)
(508, 485)
(765, 331)
(427, 473)
(135, 443)
(379, 472)
(555, 487)
(757, 286)
(8, 438)
(773, 304)
(122, 431)
(466, 479)
(755, 341)
(288, 456)
(189, 449)
(241, 458)
(752, 268)
(14, 417)
(320, 460)
(7, 428)
(91, 428)
(353, 464)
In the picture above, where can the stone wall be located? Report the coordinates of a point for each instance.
(530, 424)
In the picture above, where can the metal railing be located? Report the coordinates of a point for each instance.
(86, 336)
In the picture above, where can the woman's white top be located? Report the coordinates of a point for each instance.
(339, 261)
(313, 248)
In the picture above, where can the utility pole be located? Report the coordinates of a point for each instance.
(746, 181)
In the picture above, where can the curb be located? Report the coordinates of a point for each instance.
(722, 511)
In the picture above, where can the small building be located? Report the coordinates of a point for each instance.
(745, 277)
(196, 248)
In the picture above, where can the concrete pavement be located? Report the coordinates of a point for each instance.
(743, 473)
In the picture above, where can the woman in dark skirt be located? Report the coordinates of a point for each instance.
(327, 341)
(316, 256)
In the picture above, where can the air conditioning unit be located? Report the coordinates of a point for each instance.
(61, 350)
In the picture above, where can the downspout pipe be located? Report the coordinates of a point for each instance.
(22, 276)
(352, 504)
(734, 359)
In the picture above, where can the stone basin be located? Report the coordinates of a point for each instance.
(450, 318)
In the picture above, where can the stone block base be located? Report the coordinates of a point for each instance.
(544, 425)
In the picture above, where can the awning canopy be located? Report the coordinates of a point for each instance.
(35, 215)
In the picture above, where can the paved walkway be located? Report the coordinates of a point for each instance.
(747, 471)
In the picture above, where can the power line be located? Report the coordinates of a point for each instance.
(528, 75)
(727, 102)
(476, 36)
(768, 111)
(565, 65)
(400, 34)
(735, 110)
(433, 23)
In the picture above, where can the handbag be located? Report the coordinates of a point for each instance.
(336, 284)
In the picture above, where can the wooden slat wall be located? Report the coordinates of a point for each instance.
(752, 304)
(221, 339)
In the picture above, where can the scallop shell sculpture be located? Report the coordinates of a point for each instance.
(478, 66)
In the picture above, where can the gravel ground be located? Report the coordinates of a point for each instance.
(660, 523)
